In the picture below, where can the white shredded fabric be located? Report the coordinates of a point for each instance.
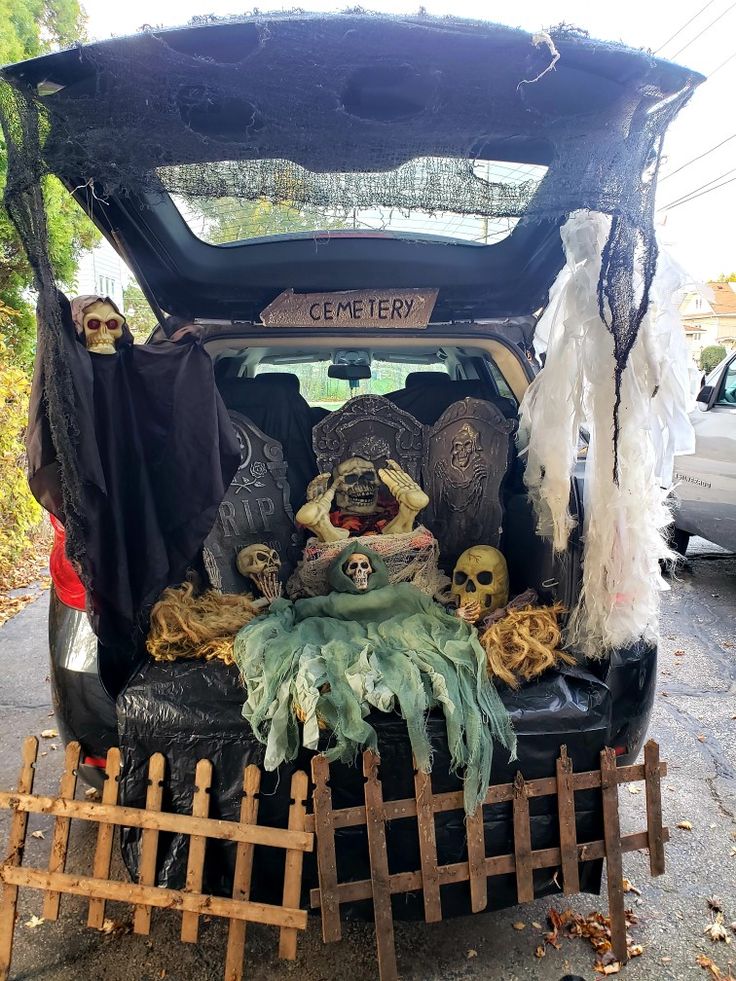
(624, 523)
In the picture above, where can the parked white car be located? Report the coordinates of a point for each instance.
(705, 481)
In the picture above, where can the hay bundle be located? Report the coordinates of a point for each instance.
(189, 626)
(524, 642)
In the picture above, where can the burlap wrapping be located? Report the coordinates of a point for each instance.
(409, 558)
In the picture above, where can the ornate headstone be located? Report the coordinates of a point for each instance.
(371, 427)
(255, 509)
(469, 450)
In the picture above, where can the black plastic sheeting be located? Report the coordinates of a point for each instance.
(189, 710)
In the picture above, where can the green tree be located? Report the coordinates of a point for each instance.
(227, 219)
(711, 356)
(727, 278)
(141, 319)
(29, 28)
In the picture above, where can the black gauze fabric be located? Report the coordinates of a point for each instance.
(155, 453)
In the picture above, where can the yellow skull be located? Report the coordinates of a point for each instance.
(481, 578)
(103, 325)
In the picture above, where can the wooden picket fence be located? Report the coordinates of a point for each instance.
(304, 832)
(145, 896)
(478, 868)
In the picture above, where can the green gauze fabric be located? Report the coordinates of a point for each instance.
(390, 647)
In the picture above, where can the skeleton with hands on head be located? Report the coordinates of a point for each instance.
(354, 488)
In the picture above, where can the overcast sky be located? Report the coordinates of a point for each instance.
(702, 233)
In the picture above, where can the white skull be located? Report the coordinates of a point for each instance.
(261, 564)
(358, 568)
(103, 326)
(480, 582)
(356, 486)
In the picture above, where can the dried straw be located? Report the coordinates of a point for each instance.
(524, 643)
(184, 625)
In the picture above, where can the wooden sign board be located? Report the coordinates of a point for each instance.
(354, 308)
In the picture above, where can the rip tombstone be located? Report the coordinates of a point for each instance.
(256, 509)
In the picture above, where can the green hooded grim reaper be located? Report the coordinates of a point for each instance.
(380, 647)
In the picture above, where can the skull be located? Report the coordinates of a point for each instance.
(261, 564)
(102, 325)
(465, 444)
(356, 485)
(480, 580)
(358, 568)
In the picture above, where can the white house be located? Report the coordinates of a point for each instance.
(710, 320)
(101, 271)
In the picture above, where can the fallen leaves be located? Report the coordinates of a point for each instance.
(38, 834)
(716, 931)
(35, 921)
(472, 953)
(116, 928)
(628, 886)
(49, 734)
(679, 653)
(708, 965)
(519, 925)
(11, 605)
(92, 793)
(596, 929)
(685, 825)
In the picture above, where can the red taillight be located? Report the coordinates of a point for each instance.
(66, 582)
(620, 750)
(99, 761)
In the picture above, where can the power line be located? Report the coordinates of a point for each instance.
(681, 29)
(701, 187)
(700, 192)
(700, 155)
(722, 65)
(707, 28)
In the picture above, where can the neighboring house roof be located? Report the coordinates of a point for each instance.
(724, 298)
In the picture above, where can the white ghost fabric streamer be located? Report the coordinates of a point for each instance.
(624, 521)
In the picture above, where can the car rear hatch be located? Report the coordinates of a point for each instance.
(231, 161)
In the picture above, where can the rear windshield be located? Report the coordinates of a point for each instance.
(330, 393)
(468, 200)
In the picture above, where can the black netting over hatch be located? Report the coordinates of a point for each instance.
(342, 122)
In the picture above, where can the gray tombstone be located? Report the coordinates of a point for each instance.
(469, 452)
(255, 509)
(371, 427)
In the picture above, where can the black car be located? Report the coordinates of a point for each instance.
(365, 173)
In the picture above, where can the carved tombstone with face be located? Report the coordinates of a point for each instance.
(358, 567)
(102, 324)
(356, 486)
(480, 582)
(465, 445)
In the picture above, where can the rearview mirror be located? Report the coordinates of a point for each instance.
(349, 372)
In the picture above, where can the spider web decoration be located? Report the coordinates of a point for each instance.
(151, 115)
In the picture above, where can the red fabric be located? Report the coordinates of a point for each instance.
(66, 582)
(369, 524)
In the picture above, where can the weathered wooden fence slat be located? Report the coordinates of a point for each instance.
(243, 874)
(378, 853)
(14, 857)
(326, 859)
(105, 838)
(149, 840)
(568, 828)
(197, 843)
(62, 825)
(427, 847)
